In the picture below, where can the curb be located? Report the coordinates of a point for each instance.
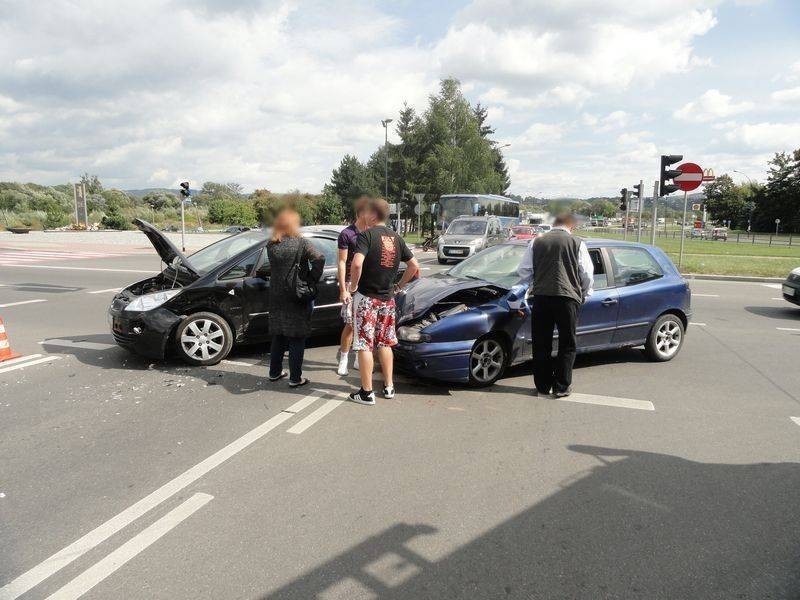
(745, 278)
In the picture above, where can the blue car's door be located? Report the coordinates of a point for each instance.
(598, 317)
(640, 284)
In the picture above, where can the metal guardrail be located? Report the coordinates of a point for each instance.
(737, 237)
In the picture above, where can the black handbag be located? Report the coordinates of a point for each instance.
(298, 284)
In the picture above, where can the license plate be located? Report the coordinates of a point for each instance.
(789, 291)
(458, 251)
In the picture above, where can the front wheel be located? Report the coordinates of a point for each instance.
(442, 261)
(665, 338)
(487, 361)
(203, 338)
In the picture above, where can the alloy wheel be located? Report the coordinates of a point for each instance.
(668, 338)
(486, 360)
(202, 339)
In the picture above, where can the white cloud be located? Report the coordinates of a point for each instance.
(787, 95)
(766, 136)
(711, 105)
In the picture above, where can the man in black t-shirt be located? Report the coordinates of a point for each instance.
(379, 251)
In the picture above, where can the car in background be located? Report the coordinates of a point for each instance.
(236, 229)
(464, 325)
(543, 228)
(791, 287)
(200, 306)
(696, 233)
(523, 232)
(467, 235)
(719, 233)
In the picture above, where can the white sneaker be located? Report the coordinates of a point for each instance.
(343, 357)
(388, 392)
(355, 362)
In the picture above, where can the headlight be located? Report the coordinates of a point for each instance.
(151, 301)
(412, 334)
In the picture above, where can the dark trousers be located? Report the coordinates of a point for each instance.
(296, 346)
(548, 312)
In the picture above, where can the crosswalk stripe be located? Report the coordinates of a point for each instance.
(31, 363)
(608, 401)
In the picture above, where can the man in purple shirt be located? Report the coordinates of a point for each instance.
(347, 248)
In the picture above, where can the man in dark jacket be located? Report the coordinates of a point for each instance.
(560, 275)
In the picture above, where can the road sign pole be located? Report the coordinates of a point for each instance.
(683, 228)
(183, 227)
(641, 204)
(655, 220)
(627, 213)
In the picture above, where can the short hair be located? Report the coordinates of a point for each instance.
(360, 205)
(565, 220)
(380, 207)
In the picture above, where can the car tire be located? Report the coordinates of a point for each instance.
(203, 338)
(665, 339)
(442, 261)
(488, 360)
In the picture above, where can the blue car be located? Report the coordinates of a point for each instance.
(458, 326)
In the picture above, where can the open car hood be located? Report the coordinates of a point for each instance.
(166, 249)
(422, 294)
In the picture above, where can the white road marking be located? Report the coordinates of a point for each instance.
(697, 324)
(774, 286)
(59, 560)
(151, 271)
(776, 298)
(704, 295)
(116, 289)
(609, 401)
(22, 365)
(23, 302)
(633, 496)
(71, 344)
(114, 561)
(315, 416)
(14, 361)
(787, 329)
(304, 403)
(238, 363)
(796, 420)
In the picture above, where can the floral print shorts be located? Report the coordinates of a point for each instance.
(373, 323)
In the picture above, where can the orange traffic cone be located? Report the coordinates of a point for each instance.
(6, 353)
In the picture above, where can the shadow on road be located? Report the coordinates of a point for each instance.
(775, 312)
(637, 525)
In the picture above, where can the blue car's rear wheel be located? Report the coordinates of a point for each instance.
(487, 361)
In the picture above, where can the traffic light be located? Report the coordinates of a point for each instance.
(638, 191)
(185, 189)
(623, 199)
(668, 174)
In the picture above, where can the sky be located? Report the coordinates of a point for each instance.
(272, 93)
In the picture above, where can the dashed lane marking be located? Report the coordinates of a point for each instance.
(28, 363)
(697, 324)
(796, 420)
(22, 302)
(238, 363)
(78, 344)
(62, 558)
(609, 401)
(787, 329)
(695, 295)
(14, 361)
(109, 290)
(774, 286)
(315, 416)
(105, 567)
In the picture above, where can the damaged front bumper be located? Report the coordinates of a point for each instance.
(445, 361)
(146, 333)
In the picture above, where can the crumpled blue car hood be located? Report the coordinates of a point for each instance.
(422, 294)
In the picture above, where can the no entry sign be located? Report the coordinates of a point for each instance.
(690, 178)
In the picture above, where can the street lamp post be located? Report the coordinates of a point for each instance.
(385, 123)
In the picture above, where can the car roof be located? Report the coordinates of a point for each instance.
(592, 243)
(468, 218)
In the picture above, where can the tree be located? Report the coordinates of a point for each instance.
(780, 198)
(91, 183)
(351, 180)
(726, 201)
(328, 208)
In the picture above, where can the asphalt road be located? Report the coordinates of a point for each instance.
(123, 478)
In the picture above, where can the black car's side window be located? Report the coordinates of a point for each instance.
(328, 249)
(600, 275)
(634, 265)
(243, 268)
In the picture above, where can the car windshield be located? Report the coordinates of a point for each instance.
(497, 265)
(209, 257)
(467, 228)
(522, 230)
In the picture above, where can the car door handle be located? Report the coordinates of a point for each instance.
(609, 302)
(329, 278)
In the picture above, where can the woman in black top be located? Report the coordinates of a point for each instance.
(289, 319)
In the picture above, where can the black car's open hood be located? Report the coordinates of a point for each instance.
(422, 294)
(166, 249)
